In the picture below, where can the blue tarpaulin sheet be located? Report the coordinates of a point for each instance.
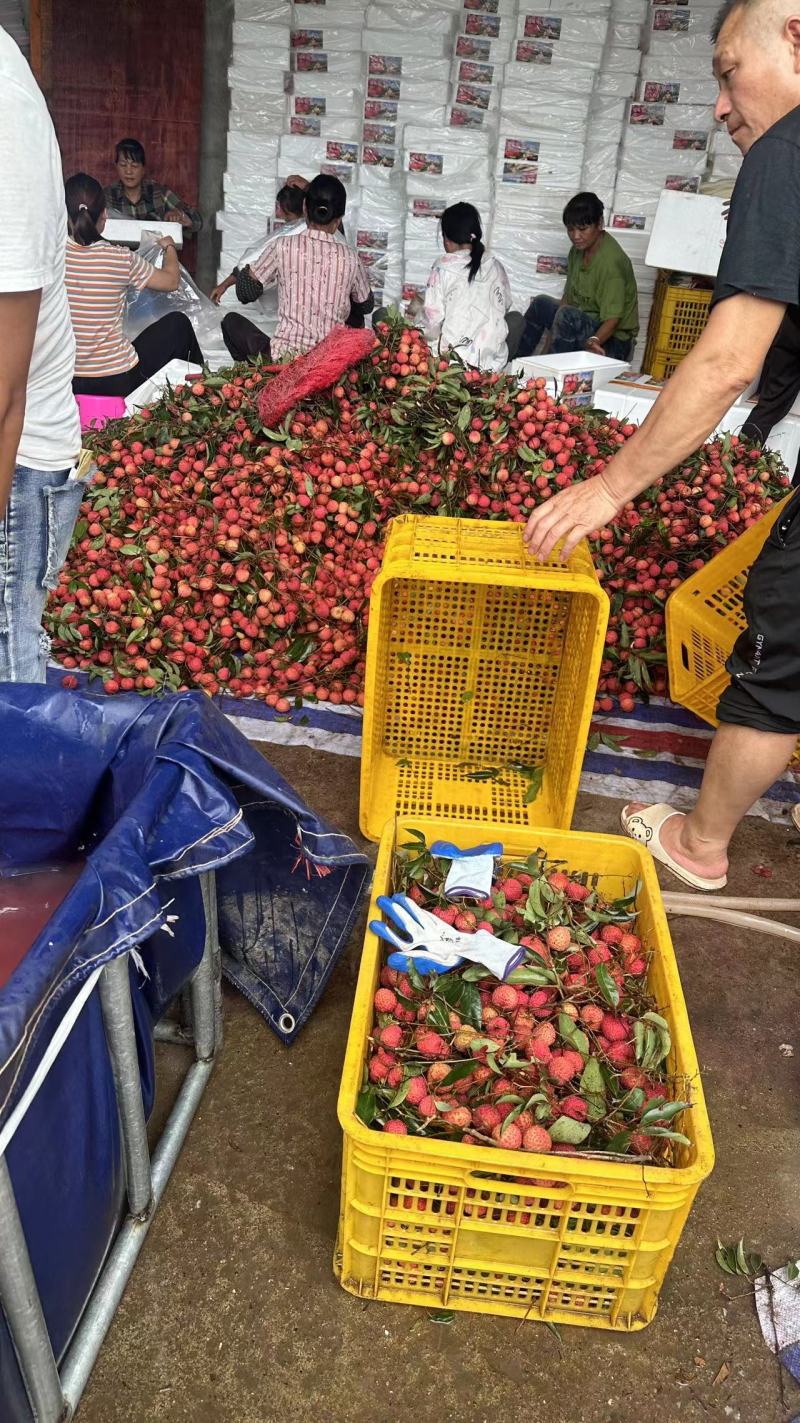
(151, 793)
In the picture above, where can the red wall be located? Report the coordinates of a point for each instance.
(113, 69)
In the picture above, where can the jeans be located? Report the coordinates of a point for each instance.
(571, 329)
(35, 536)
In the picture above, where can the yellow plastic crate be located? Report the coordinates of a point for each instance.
(704, 618)
(678, 317)
(478, 657)
(540, 1237)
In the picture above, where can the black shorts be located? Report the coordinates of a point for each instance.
(765, 663)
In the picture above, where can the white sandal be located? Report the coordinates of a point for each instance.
(645, 826)
(796, 816)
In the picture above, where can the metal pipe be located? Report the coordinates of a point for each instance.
(115, 998)
(99, 1313)
(20, 1300)
(168, 1031)
(205, 986)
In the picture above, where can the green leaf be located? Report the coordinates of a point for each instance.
(367, 1105)
(466, 697)
(415, 977)
(404, 657)
(401, 1093)
(459, 1072)
(725, 1258)
(464, 417)
(570, 1131)
(572, 1034)
(661, 1110)
(593, 1088)
(475, 973)
(441, 1316)
(619, 1143)
(527, 455)
(541, 977)
(534, 786)
(606, 984)
(792, 1272)
(470, 1006)
(130, 550)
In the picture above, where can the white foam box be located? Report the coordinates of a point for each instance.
(263, 12)
(321, 61)
(262, 39)
(523, 108)
(433, 20)
(564, 7)
(307, 151)
(247, 151)
(255, 112)
(557, 367)
(471, 71)
(682, 20)
(318, 16)
(625, 33)
(331, 40)
(256, 194)
(129, 230)
(676, 151)
(405, 44)
(558, 78)
(322, 106)
(488, 7)
(556, 55)
(417, 138)
(249, 74)
(631, 11)
(642, 114)
(617, 59)
(616, 83)
(688, 233)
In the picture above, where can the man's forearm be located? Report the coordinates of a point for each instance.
(606, 330)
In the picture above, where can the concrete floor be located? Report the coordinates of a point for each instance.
(233, 1315)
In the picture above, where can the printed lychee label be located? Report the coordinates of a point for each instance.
(427, 207)
(381, 109)
(372, 237)
(473, 96)
(693, 139)
(379, 133)
(337, 152)
(425, 162)
(306, 39)
(342, 171)
(485, 7)
(534, 52)
(385, 64)
(656, 92)
(542, 27)
(525, 149)
(526, 173)
(383, 87)
(310, 104)
(470, 47)
(466, 118)
(471, 73)
(306, 125)
(378, 156)
(310, 61)
(653, 114)
(682, 183)
(676, 21)
(629, 221)
(486, 25)
(548, 264)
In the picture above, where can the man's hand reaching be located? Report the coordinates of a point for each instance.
(570, 516)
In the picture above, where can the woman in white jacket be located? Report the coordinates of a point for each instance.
(468, 295)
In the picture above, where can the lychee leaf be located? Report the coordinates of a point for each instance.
(663, 1111)
(670, 1135)
(438, 1017)
(540, 977)
(475, 973)
(415, 977)
(401, 1093)
(458, 1073)
(606, 984)
(569, 1131)
(593, 1088)
(619, 1144)
(367, 1106)
(470, 1006)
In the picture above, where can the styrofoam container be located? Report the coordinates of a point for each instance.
(556, 367)
(406, 44)
(404, 16)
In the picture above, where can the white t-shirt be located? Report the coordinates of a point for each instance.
(33, 241)
(469, 316)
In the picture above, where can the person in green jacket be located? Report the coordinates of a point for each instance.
(599, 310)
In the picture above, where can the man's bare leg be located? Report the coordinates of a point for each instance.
(742, 764)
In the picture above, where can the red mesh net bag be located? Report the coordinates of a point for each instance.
(318, 369)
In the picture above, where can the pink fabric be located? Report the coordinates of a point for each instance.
(95, 410)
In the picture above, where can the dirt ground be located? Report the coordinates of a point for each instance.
(233, 1314)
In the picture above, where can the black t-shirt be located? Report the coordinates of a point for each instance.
(761, 255)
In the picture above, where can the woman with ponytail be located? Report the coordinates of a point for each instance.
(98, 275)
(468, 295)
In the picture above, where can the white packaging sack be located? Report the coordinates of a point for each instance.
(263, 12)
(431, 19)
(262, 39)
(553, 77)
(406, 45)
(616, 83)
(255, 113)
(320, 61)
(561, 28)
(382, 64)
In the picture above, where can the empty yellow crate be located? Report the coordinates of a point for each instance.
(478, 658)
(558, 1238)
(678, 317)
(704, 618)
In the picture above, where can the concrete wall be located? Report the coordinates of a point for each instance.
(214, 128)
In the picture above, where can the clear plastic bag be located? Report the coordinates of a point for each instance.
(146, 306)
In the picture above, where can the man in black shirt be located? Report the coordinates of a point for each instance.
(755, 62)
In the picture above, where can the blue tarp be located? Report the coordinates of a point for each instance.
(151, 793)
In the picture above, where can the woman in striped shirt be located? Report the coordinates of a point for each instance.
(98, 275)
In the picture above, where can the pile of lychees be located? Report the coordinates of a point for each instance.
(568, 1054)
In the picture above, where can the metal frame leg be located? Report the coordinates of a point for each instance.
(205, 987)
(20, 1301)
(115, 999)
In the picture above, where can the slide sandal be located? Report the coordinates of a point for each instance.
(645, 826)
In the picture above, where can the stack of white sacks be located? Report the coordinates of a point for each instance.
(544, 119)
(406, 58)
